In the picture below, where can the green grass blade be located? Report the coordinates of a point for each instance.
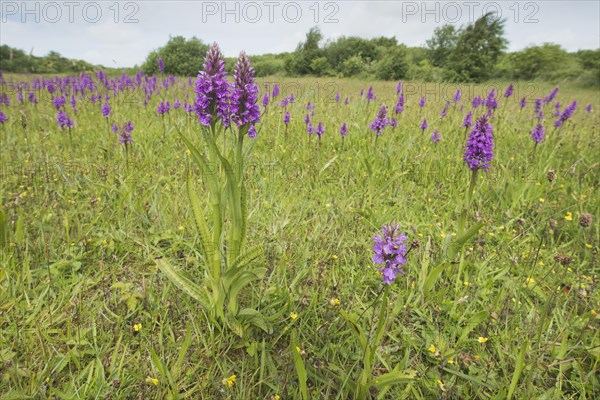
(518, 370)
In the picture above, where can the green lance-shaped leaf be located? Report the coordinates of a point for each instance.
(356, 329)
(184, 283)
(299, 365)
(253, 317)
(205, 238)
(242, 261)
(210, 175)
(473, 322)
(234, 198)
(455, 246)
(241, 280)
(433, 277)
(393, 378)
(518, 370)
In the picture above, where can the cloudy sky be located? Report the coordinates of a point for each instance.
(121, 33)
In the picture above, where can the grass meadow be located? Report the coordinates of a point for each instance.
(85, 313)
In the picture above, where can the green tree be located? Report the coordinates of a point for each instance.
(478, 48)
(344, 48)
(393, 64)
(300, 61)
(352, 66)
(182, 57)
(538, 61)
(442, 44)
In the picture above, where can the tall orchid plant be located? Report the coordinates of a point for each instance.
(223, 108)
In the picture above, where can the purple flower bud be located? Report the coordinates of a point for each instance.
(436, 136)
(370, 94)
(243, 107)
(523, 102)
(399, 88)
(163, 107)
(457, 96)
(566, 114)
(390, 250)
(286, 118)
(588, 108)
(551, 95)
(337, 97)
(251, 132)
(105, 110)
(275, 91)
(212, 89)
(537, 105)
(346, 101)
(422, 102)
(480, 146)
(3, 118)
(537, 133)
(58, 102)
(381, 120)
(491, 102)
(468, 120)
(344, 129)
(63, 120)
(320, 129)
(509, 90)
(424, 125)
(265, 100)
(161, 65)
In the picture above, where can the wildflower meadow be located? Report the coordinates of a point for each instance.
(224, 236)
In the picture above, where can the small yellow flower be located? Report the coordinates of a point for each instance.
(569, 216)
(588, 245)
(153, 381)
(443, 235)
(293, 315)
(542, 200)
(442, 386)
(180, 227)
(467, 283)
(541, 263)
(482, 339)
(334, 257)
(420, 235)
(276, 397)
(188, 153)
(530, 280)
(475, 357)
(594, 313)
(137, 327)
(432, 349)
(334, 302)
(229, 381)
(583, 197)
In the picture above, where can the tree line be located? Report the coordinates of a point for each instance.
(472, 53)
